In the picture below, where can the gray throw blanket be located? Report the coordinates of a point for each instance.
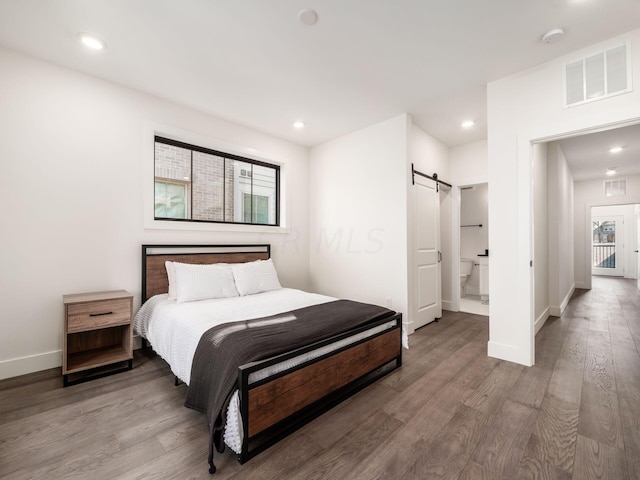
(224, 348)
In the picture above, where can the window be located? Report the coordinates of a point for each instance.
(258, 212)
(202, 185)
(170, 199)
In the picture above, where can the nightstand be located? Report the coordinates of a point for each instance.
(98, 332)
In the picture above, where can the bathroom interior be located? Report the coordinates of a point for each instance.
(474, 249)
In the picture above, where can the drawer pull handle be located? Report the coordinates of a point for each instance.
(99, 314)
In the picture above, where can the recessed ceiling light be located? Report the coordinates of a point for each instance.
(298, 125)
(611, 171)
(91, 41)
(615, 149)
(308, 16)
(552, 36)
(468, 124)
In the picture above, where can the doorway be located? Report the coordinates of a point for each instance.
(607, 250)
(613, 242)
(523, 351)
(474, 249)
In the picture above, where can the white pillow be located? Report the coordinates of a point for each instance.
(202, 282)
(255, 277)
(171, 275)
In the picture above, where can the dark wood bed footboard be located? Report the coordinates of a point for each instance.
(282, 403)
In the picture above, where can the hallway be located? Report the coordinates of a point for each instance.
(594, 392)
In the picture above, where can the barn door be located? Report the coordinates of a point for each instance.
(427, 257)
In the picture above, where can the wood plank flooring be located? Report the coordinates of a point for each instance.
(450, 412)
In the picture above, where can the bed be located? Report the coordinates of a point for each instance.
(273, 396)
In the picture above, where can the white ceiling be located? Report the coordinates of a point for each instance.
(589, 158)
(252, 62)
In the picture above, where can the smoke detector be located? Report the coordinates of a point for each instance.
(308, 16)
(552, 36)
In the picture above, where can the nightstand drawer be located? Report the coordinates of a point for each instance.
(98, 314)
(98, 332)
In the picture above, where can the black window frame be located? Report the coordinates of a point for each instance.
(224, 155)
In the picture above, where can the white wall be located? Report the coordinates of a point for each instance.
(431, 156)
(561, 231)
(73, 150)
(469, 164)
(541, 235)
(590, 193)
(474, 210)
(361, 211)
(523, 108)
(358, 215)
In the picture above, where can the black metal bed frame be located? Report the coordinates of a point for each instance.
(275, 433)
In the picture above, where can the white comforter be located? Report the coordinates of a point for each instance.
(175, 329)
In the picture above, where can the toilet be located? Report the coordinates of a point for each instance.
(466, 266)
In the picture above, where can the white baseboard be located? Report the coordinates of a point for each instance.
(448, 305)
(509, 353)
(36, 363)
(557, 311)
(580, 285)
(541, 320)
(33, 363)
(409, 328)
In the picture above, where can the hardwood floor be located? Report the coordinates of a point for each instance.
(450, 412)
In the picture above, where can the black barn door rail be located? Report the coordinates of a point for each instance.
(433, 177)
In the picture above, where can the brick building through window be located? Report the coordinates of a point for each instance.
(198, 184)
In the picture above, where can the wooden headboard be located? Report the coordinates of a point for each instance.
(154, 273)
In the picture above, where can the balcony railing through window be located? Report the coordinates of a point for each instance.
(604, 255)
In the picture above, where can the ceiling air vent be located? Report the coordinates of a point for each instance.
(614, 188)
(603, 74)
